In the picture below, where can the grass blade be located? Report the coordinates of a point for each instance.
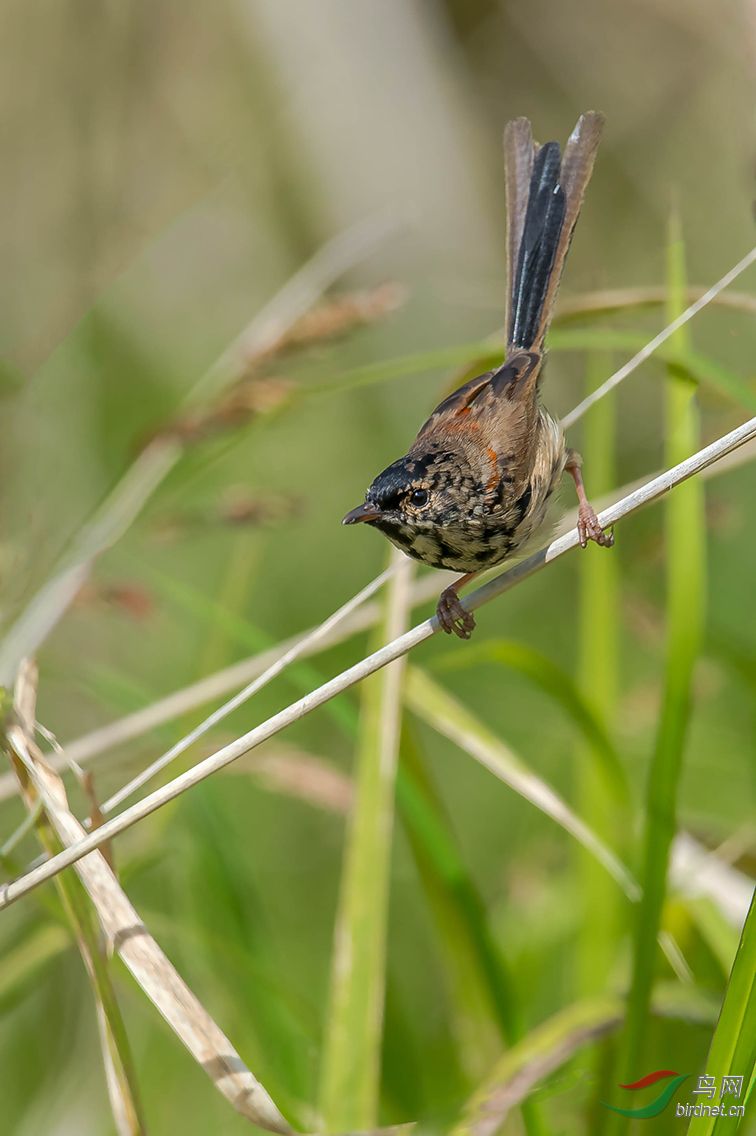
(733, 1046)
(474, 963)
(22, 965)
(550, 1046)
(125, 501)
(685, 570)
(481, 992)
(126, 933)
(478, 356)
(598, 668)
(559, 685)
(501, 583)
(114, 1044)
(437, 707)
(540, 1053)
(350, 1073)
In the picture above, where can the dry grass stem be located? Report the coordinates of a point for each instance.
(299, 648)
(127, 935)
(272, 324)
(550, 1046)
(254, 393)
(28, 763)
(699, 871)
(645, 352)
(489, 1109)
(620, 299)
(651, 491)
(334, 318)
(123, 504)
(89, 747)
(300, 776)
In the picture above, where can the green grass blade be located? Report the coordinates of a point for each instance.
(478, 355)
(686, 597)
(476, 959)
(22, 965)
(482, 993)
(303, 676)
(551, 1045)
(598, 671)
(350, 1070)
(116, 1051)
(442, 711)
(544, 1049)
(559, 685)
(471, 956)
(676, 353)
(482, 996)
(733, 1046)
(715, 930)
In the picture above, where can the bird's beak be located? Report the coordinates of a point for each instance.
(364, 512)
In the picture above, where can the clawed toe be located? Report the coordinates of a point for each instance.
(589, 529)
(453, 617)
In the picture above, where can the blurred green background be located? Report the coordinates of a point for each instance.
(167, 167)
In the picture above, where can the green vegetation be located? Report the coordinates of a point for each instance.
(456, 894)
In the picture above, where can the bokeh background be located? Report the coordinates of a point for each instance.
(167, 167)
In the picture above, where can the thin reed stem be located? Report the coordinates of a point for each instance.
(647, 493)
(126, 500)
(667, 333)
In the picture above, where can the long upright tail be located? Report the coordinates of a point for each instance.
(545, 191)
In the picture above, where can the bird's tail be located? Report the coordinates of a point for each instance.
(545, 191)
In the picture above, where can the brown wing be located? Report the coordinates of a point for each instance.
(455, 404)
(465, 404)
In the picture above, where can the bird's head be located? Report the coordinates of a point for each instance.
(415, 493)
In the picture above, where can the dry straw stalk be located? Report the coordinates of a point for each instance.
(644, 495)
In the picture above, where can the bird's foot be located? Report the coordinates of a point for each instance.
(452, 617)
(589, 528)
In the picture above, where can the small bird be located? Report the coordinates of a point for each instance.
(474, 486)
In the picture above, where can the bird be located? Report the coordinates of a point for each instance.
(474, 486)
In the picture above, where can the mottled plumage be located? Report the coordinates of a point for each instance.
(475, 485)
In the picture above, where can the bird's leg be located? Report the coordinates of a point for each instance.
(588, 523)
(451, 615)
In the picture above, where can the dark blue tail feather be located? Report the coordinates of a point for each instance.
(542, 229)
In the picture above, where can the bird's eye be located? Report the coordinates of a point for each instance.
(419, 498)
